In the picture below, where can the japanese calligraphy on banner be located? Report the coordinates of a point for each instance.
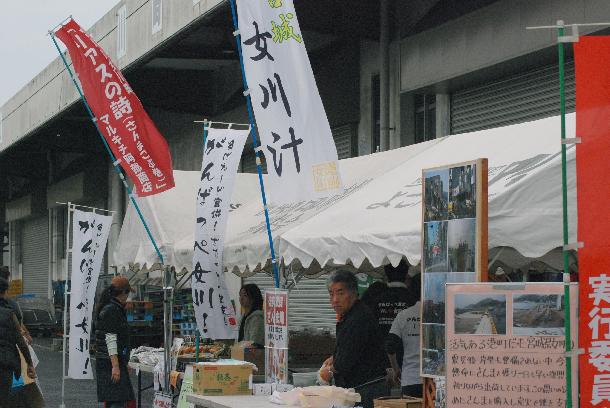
(90, 233)
(276, 336)
(592, 62)
(294, 131)
(213, 308)
(506, 345)
(120, 116)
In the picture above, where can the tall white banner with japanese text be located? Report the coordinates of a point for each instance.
(90, 234)
(213, 308)
(294, 131)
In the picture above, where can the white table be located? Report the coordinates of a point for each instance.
(231, 401)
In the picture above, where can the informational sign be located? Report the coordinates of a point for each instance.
(89, 237)
(162, 401)
(454, 247)
(592, 62)
(506, 345)
(129, 132)
(214, 311)
(276, 336)
(295, 136)
(186, 389)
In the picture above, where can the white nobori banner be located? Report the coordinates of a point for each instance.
(90, 234)
(213, 308)
(294, 131)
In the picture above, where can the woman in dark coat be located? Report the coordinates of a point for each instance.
(113, 345)
(10, 339)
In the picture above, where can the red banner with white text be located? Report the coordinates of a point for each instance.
(592, 61)
(127, 128)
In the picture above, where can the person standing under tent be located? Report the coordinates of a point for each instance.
(112, 339)
(358, 362)
(404, 337)
(252, 323)
(11, 339)
(5, 273)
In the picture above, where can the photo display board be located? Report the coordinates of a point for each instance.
(454, 247)
(506, 345)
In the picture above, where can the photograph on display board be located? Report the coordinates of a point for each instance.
(461, 240)
(483, 313)
(436, 185)
(433, 350)
(435, 246)
(462, 192)
(538, 315)
(454, 249)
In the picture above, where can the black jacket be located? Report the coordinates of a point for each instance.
(10, 339)
(112, 319)
(359, 355)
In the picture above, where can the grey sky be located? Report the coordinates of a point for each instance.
(25, 49)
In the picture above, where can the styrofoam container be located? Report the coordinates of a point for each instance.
(304, 379)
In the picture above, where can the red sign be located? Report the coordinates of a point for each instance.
(120, 116)
(592, 60)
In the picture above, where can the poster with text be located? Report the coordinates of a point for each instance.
(506, 345)
(89, 237)
(276, 336)
(214, 311)
(454, 247)
(295, 135)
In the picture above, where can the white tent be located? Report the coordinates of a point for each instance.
(378, 217)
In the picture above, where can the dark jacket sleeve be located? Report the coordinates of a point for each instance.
(352, 345)
(23, 346)
(393, 344)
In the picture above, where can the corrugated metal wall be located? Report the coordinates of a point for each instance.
(519, 98)
(35, 256)
(308, 302)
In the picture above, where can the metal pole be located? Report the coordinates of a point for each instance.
(167, 325)
(384, 76)
(276, 273)
(112, 157)
(566, 272)
(66, 305)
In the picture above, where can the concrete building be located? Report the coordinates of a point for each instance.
(390, 73)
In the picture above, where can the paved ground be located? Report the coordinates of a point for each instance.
(79, 394)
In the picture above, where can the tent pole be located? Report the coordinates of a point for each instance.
(566, 271)
(257, 149)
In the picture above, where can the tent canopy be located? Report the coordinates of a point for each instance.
(377, 218)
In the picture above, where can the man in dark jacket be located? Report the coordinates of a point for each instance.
(10, 339)
(358, 361)
(5, 273)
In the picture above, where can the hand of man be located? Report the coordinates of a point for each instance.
(395, 377)
(31, 372)
(116, 374)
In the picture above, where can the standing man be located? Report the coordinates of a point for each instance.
(404, 337)
(358, 361)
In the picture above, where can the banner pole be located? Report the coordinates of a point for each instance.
(564, 185)
(115, 162)
(276, 273)
(66, 304)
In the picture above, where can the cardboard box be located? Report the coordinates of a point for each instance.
(225, 377)
(403, 402)
(244, 352)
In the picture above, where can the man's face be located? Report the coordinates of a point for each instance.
(341, 298)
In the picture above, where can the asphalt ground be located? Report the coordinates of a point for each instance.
(78, 393)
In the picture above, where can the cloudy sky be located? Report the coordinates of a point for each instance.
(25, 49)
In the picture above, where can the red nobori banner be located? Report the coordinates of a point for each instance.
(592, 60)
(129, 131)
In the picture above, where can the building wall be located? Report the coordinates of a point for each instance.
(489, 36)
(52, 91)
